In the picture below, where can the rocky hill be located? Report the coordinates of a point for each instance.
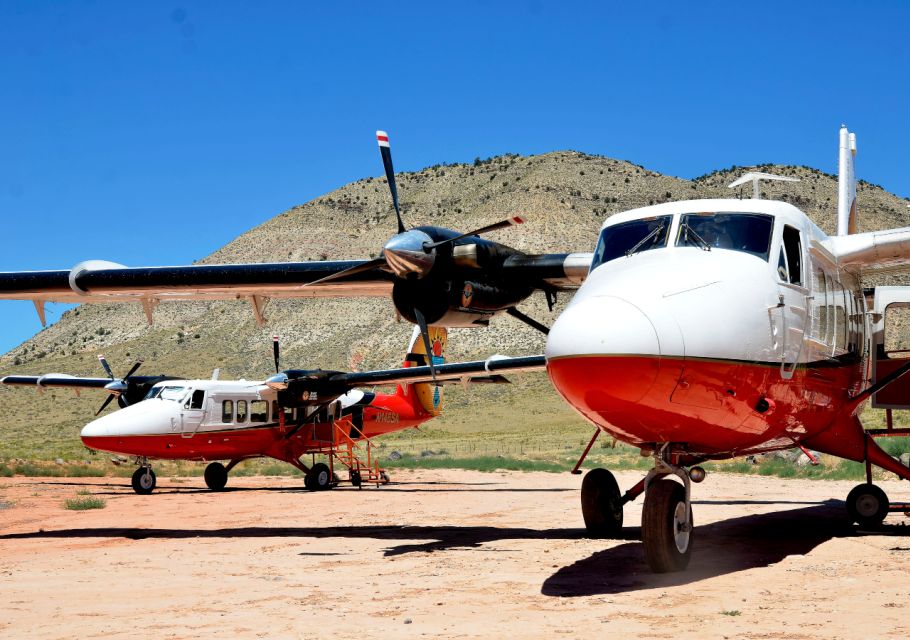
(565, 197)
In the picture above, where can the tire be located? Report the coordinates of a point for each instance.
(667, 548)
(144, 481)
(601, 504)
(384, 477)
(867, 505)
(356, 479)
(216, 476)
(319, 478)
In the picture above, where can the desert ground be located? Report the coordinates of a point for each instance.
(439, 554)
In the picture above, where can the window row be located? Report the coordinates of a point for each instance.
(240, 411)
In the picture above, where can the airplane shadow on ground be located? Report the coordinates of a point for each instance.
(719, 548)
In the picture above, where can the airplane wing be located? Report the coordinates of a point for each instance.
(66, 381)
(100, 281)
(479, 370)
(874, 252)
(56, 380)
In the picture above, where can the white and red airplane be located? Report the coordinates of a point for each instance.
(703, 330)
(291, 414)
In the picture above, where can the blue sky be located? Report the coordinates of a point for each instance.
(153, 133)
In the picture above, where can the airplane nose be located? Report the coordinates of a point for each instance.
(603, 352)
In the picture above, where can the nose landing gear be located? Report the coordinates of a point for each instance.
(144, 479)
(666, 524)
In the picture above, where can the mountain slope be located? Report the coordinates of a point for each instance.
(565, 197)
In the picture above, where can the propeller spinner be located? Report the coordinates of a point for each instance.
(117, 386)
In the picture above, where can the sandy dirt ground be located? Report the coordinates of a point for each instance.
(439, 554)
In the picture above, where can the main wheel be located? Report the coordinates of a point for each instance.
(216, 476)
(601, 504)
(664, 532)
(144, 481)
(867, 505)
(318, 478)
(356, 480)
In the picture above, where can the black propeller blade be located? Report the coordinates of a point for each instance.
(490, 227)
(107, 367)
(366, 266)
(425, 332)
(383, 139)
(104, 404)
(275, 351)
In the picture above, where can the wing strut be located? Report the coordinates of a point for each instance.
(531, 322)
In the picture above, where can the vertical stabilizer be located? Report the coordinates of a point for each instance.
(426, 396)
(846, 184)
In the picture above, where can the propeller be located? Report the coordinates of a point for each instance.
(117, 386)
(410, 253)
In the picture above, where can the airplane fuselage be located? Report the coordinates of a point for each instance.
(230, 420)
(726, 332)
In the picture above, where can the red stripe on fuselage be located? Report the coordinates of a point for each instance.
(710, 405)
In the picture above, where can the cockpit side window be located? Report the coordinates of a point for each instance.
(794, 250)
(197, 399)
(629, 238)
(227, 411)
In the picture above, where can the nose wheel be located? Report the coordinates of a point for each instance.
(601, 504)
(666, 520)
(144, 480)
(666, 526)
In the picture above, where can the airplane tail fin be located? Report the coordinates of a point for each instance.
(847, 216)
(426, 397)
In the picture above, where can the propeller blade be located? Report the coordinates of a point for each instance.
(133, 370)
(383, 139)
(425, 332)
(107, 367)
(366, 266)
(490, 227)
(105, 403)
(275, 351)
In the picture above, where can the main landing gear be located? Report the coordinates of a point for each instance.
(666, 521)
(867, 505)
(319, 478)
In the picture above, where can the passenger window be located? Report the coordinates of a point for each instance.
(274, 410)
(241, 411)
(259, 411)
(227, 411)
(793, 247)
(198, 397)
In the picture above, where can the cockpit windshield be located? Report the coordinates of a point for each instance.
(173, 393)
(746, 232)
(153, 393)
(628, 238)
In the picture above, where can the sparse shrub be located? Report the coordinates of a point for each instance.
(83, 504)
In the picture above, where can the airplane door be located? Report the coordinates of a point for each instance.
(192, 413)
(788, 319)
(890, 311)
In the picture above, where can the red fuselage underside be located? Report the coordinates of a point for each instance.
(708, 405)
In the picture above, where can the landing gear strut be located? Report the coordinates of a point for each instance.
(144, 479)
